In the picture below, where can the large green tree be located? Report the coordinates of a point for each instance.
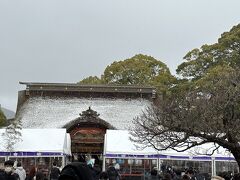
(2, 119)
(139, 70)
(225, 51)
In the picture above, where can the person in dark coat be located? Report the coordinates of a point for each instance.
(8, 173)
(154, 174)
(76, 171)
(90, 164)
(112, 173)
(236, 176)
(103, 176)
(167, 176)
(185, 177)
(55, 172)
(97, 170)
(189, 172)
(40, 175)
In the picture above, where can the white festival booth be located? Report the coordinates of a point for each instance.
(38, 147)
(135, 161)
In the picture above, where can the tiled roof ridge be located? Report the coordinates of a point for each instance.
(84, 85)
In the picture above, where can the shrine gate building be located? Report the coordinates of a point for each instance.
(86, 111)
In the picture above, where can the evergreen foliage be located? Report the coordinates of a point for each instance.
(91, 80)
(225, 52)
(2, 119)
(138, 70)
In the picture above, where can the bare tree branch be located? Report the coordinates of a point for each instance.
(209, 112)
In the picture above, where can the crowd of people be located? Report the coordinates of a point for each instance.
(72, 171)
(168, 173)
(17, 172)
(89, 171)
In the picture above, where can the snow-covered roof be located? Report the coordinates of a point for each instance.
(50, 112)
(43, 141)
(118, 144)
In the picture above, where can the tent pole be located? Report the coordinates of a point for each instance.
(63, 161)
(213, 162)
(104, 153)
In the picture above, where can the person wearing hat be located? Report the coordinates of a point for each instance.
(8, 173)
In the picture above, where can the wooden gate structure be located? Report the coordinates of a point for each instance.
(87, 134)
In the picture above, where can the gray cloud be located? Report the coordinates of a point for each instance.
(65, 41)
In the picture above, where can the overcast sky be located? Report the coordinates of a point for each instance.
(67, 40)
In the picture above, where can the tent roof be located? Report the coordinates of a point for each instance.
(40, 141)
(117, 141)
(118, 144)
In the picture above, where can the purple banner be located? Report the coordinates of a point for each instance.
(161, 156)
(32, 154)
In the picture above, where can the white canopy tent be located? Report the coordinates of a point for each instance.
(118, 144)
(38, 142)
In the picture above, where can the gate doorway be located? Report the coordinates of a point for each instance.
(88, 142)
(87, 136)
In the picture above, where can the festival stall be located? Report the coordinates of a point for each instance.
(135, 161)
(38, 147)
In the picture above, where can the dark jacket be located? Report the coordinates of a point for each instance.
(29, 177)
(55, 172)
(40, 175)
(76, 171)
(5, 176)
(112, 173)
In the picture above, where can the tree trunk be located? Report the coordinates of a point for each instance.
(236, 153)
